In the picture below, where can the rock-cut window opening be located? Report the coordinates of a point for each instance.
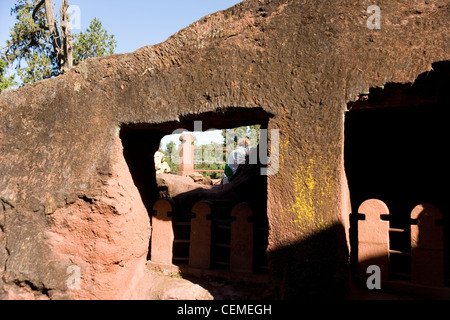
(185, 186)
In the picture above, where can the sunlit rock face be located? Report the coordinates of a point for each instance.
(75, 212)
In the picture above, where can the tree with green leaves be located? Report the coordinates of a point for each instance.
(5, 81)
(234, 134)
(30, 44)
(41, 48)
(171, 149)
(210, 156)
(95, 42)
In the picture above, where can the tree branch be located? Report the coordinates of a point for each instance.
(36, 9)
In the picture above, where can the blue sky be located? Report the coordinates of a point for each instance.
(134, 23)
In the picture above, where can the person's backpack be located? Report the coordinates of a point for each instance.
(228, 172)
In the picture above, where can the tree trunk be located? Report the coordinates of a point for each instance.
(53, 28)
(62, 44)
(66, 38)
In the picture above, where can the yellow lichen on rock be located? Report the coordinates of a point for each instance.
(308, 206)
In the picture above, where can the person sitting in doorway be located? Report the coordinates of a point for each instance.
(236, 158)
(161, 165)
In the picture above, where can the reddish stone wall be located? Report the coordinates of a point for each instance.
(301, 62)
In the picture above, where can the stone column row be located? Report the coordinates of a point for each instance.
(241, 246)
(427, 242)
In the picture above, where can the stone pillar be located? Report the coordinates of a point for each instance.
(373, 237)
(241, 246)
(427, 246)
(200, 244)
(186, 155)
(162, 232)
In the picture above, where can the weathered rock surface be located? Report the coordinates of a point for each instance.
(198, 178)
(68, 197)
(158, 286)
(171, 185)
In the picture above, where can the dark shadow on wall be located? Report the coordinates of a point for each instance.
(391, 289)
(139, 147)
(314, 268)
(311, 269)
